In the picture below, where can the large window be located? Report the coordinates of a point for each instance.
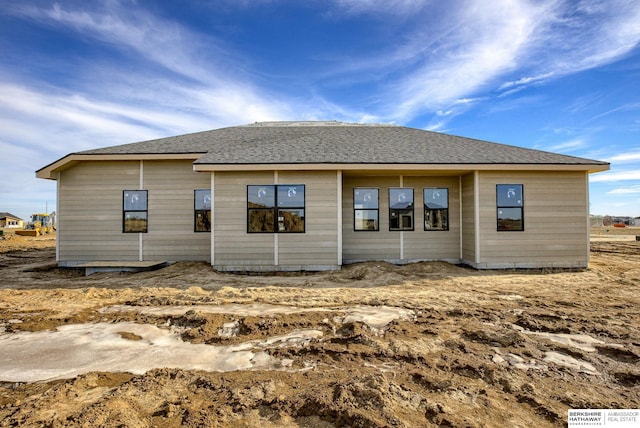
(401, 209)
(509, 203)
(365, 209)
(134, 213)
(436, 209)
(202, 210)
(275, 209)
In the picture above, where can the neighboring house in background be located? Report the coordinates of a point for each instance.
(9, 220)
(316, 195)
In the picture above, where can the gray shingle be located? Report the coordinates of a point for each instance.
(4, 215)
(339, 143)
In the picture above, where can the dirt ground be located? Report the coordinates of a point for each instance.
(513, 348)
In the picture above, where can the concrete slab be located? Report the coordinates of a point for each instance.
(121, 266)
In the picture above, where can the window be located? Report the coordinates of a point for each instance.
(401, 209)
(365, 209)
(509, 203)
(134, 217)
(275, 209)
(436, 209)
(202, 210)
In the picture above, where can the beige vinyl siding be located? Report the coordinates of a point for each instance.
(385, 244)
(555, 221)
(319, 244)
(368, 245)
(435, 244)
(90, 212)
(233, 245)
(468, 219)
(316, 248)
(90, 218)
(171, 234)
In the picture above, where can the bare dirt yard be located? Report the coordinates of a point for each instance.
(373, 345)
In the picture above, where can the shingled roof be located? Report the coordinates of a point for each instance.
(338, 143)
(329, 143)
(4, 215)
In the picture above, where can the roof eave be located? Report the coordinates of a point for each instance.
(50, 171)
(590, 168)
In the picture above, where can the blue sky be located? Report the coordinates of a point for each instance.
(553, 75)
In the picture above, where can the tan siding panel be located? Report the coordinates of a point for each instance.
(468, 218)
(433, 245)
(233, 245)
(386, 245)
(91, 211)
(364, 245)
(317, 246)
(171, 235)
(555, 212)
(90, 216)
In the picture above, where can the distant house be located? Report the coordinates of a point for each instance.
(316, 195)
(9, 220)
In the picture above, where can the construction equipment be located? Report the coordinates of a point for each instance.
(39, 225)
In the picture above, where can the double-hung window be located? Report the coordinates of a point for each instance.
(509, 201)
(366, 209)
(436, 209)
(401, 208)
(276, 208)
(134, 213)
(202, 210)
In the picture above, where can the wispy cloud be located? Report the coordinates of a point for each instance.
(540, 41)
(615, 176)
(577, 143)
(630, 190)
(173, 47)
(624, 107)
(525, 81)
(484, 45)
(626, 157)
(396, 7)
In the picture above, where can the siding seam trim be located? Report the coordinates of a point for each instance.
(476, 214)
(339, 200)
(213, 218)
(141, 186)
(276, 248)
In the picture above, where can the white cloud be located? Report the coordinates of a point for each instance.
(588, 33)
(526, 81)
(473, 45)
(630, 190)
(396, 7)
(576, 143)
(615, 176)
(486, 43)
(626, 157)
(624, 107)
(162, 41)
